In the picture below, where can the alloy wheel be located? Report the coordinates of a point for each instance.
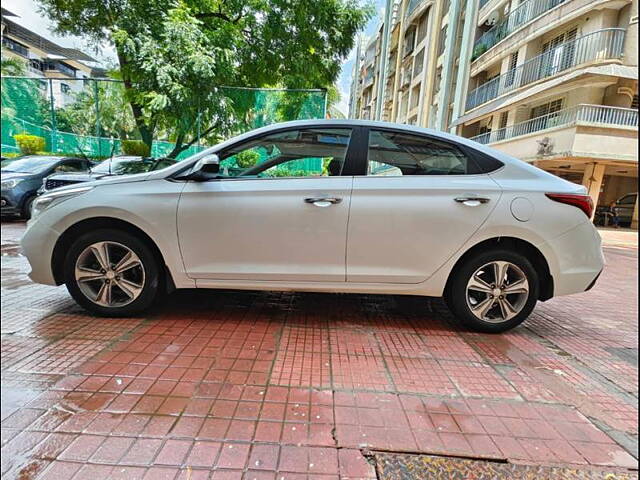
(109, 274)
(497, 291)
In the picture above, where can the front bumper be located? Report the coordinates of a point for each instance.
(37, 244)
(10, 203)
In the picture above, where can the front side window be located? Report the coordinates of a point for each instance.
(72, 166)
(311, 152)
(398, 154)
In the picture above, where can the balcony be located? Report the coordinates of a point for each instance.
(605, 44)
(523, 14)
(583, 114)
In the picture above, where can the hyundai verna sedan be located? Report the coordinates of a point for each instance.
(325, 206)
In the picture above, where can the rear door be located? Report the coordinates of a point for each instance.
(421, 199)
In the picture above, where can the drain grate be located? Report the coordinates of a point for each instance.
(393, 466)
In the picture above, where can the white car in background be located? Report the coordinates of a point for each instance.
(325, 206)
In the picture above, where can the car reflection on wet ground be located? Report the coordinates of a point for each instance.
(265, 385)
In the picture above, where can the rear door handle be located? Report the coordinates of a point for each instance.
(323, 201)
(472, 200)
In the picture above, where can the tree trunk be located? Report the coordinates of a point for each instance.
(179, 146)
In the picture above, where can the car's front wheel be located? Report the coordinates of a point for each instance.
(112, 273)
(493, 291)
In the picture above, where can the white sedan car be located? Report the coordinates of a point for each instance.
(325, 206)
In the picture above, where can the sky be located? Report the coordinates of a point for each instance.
(31, 18)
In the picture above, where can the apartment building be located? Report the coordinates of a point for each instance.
(552, 82)
(45, 59)
(555, 82)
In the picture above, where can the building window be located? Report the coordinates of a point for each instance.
(417, 63)
(36, 64)
(409, 41)
(634, 101)
(423, 26)
(502, 125)
(546, 109)
(64, 88)
(14, 46)
(442, 40)
(511, 74)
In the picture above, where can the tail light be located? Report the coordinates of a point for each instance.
(583, 202)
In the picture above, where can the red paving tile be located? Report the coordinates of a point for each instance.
(269, 385)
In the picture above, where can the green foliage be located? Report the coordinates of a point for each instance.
(174, 55)
(135, 147)
(478, 51)
(13, 66)
(112, 118)
(29, 144)
(11, 154)
(247, 158)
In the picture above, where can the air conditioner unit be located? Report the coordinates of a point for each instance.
(493, 18)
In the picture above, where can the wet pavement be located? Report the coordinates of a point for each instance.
(260, 385)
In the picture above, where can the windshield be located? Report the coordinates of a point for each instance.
(123, 166)
(29, 164)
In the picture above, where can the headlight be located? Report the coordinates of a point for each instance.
(48, 200)
(9, 184)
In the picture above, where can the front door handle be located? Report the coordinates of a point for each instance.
(323, 201)
(472, 200)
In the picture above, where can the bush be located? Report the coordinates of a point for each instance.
(247, 158)
(135, 147)
(29, 144)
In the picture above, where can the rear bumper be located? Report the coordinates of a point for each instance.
(575, 259)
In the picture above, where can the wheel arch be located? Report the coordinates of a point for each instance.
(67, 238)
(530, 251)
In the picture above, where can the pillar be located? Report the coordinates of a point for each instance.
(592, 179)
(634, 218)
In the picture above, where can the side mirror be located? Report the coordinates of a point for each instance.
(205, 169)
(208, 164)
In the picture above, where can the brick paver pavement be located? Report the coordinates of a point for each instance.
(254, 385)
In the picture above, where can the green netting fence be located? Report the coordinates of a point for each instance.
(91, 116)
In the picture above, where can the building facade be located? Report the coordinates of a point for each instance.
(45, 59)
(552, 82)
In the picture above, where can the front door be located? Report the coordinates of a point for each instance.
(408, 214)
(278, 212)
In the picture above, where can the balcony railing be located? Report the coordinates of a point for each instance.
(600, 45)
(583, 113)
(524, 13)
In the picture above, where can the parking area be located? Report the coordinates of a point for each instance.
(287, 386)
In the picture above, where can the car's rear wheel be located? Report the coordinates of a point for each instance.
(112, 273)
(493, 291)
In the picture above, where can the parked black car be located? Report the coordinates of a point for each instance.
(23, 176)
(119, 165)
(624, 207)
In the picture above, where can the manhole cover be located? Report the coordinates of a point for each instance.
(629, 355)
(392, 466)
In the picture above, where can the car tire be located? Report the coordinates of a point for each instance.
(505, 311)
(26, 208)
(114, 292)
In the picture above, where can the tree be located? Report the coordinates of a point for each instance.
(99, 109)
(174, 56)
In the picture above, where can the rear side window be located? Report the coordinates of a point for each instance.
(399, 154)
